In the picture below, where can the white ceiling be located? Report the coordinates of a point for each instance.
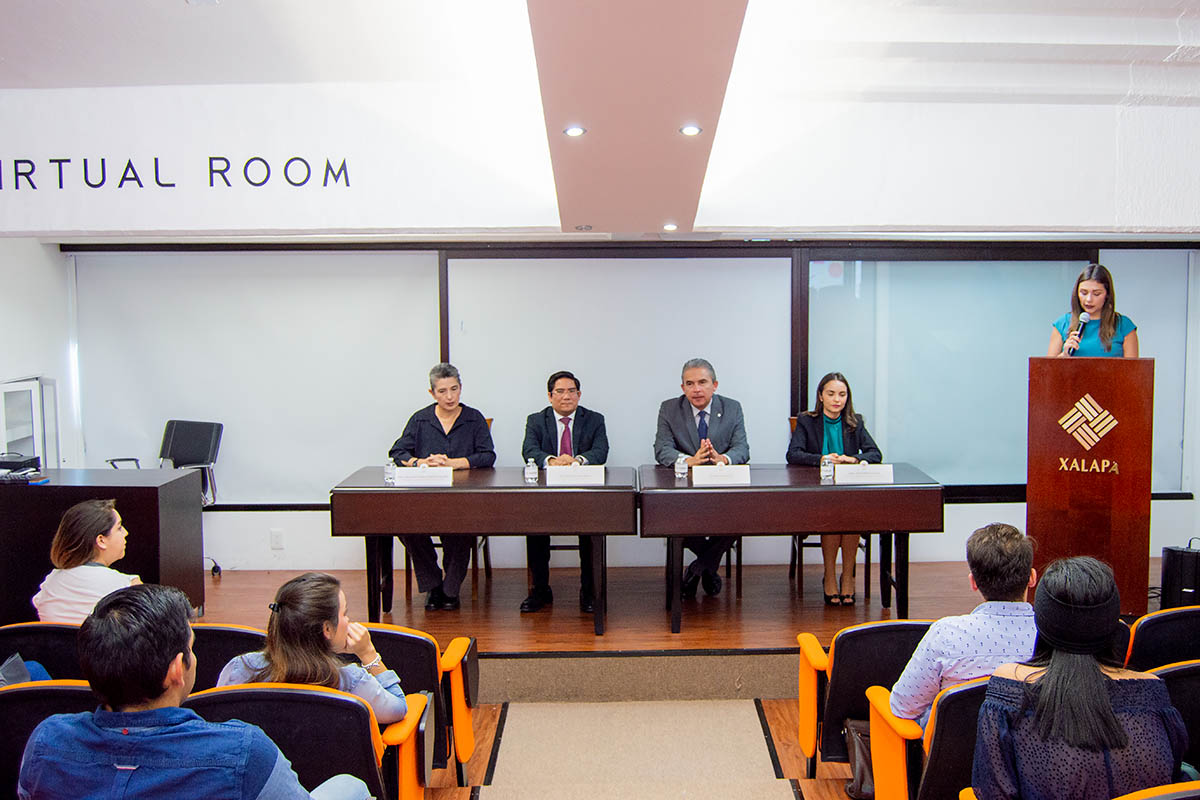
(790, 71)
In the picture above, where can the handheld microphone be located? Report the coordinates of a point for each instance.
(1084, 319)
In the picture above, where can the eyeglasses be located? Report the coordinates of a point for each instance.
(561, 392)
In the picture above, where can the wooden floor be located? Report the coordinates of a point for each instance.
(769, 614)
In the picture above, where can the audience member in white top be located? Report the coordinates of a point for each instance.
(89, 539)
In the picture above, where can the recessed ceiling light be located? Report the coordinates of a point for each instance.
(574, 130)
(670, 226)
(691, 129)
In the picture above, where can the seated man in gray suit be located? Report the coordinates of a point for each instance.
(560, 434)
(707, 428)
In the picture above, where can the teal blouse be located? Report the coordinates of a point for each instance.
(833, 435)
(1090, 344)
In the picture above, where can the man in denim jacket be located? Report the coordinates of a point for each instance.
(136, 652)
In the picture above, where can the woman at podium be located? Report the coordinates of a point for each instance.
(833, 433)
(1093, 327)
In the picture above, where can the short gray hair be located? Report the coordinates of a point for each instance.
(443, 370)
(693, 363)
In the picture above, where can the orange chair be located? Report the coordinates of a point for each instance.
(421, 666)
(326, 732)
(943, 766)
(51, 644)
(22, 707)
(832, 687)
(216, 644)
(1164, 637)
(1189, 790)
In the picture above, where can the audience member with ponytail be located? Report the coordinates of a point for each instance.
(1071, 722)
(308, 628)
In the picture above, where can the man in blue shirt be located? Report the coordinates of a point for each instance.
(999, 631)
(136, 651)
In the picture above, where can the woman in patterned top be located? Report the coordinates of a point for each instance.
(1071, 722)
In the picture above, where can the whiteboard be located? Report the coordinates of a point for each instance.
(312, 360)
(624, 327)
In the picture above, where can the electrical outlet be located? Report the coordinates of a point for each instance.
(276, 538)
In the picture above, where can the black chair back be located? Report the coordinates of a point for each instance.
(415, 658)
(51, 644)
(1165, 637)
(947, 767)
(216, 644)
(1183, 684)
(873, 654)
(188, 442)
(323, 733)
(22, 707)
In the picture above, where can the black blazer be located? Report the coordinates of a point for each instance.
(588, 437)
(808, 440)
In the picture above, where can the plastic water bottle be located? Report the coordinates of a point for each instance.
(826, 470)
(389, 472)
(531, 471)
(681, 466)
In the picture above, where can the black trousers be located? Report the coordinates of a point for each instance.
(709, 551)
(537, 555)
(456, 557)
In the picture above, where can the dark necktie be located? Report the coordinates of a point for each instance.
(564, 445)
(702, 426)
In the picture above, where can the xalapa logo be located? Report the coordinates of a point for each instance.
(1087, 422)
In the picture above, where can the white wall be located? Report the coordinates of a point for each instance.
(35, 292)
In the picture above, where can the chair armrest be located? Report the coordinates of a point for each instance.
(454, 653)
(967, 794)
(194, 466)
(813, 660)
(112, 462)
(889, 735)
(399, 732)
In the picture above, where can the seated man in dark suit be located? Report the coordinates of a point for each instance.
(707, 428)
(561, 434)
(136, 651)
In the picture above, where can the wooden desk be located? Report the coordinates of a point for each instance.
(784, 500)
(484, 502)
(160, 508)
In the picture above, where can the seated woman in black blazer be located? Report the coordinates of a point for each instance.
(833, 432)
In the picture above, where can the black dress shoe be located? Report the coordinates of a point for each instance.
(587, 603)
(712, 583)
(435, 599)
(691, 583)
(537, 600)
(449, 603)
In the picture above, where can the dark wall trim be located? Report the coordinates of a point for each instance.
(799, 383)
(443, 307)
(823, 248)
(267, 507)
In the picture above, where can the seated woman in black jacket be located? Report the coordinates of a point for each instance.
(833, 432)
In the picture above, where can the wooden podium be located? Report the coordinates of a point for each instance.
(1090, 445)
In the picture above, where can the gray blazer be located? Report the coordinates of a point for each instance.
(677, 430)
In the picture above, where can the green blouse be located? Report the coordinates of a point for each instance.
(833, 435)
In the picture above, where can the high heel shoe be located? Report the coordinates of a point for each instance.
(832, 599)
(848, 599)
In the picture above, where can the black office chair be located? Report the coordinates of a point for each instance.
(1164, 637)
(188, 445)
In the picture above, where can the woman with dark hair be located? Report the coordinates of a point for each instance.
(832, 432)
(308, 627)
(89, 539)
(1104, 332)
(1071, 721)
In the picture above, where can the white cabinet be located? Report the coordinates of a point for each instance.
(29, 419)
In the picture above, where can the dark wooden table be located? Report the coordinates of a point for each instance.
(160, 509)
(784, 500)
(487, 502)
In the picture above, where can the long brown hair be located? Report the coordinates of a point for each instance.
(848, 416)
(75, 540)
(1108, 315)
(297, 650)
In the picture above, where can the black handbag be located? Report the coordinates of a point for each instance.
(1180, 575)
(861, 785)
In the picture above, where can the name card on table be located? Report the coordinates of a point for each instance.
(721, 475)
(862, 473)
(576, 475)
(423, 476)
